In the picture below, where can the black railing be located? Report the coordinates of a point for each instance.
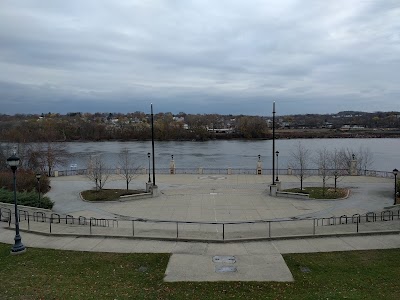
(193, 230)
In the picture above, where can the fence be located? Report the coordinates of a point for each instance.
(387, 220)
(236, 171)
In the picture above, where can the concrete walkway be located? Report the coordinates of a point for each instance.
(192, 261)
(223, 198)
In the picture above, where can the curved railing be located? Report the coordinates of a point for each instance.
(236, 171)
(385, 221)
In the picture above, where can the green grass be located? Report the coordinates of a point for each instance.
(56, 274)
(317, 192)
(107, 194)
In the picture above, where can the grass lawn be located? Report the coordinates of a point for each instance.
(56, 274)
(317, 192)
(107, 194)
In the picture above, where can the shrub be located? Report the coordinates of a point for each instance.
(26, 198)
(26, 181)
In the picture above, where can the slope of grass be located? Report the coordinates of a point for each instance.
(56, 274)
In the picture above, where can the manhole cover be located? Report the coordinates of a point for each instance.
(305, 270)
(142, 269)
(225, 269)
(224, 259)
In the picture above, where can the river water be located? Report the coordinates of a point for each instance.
(229, 154)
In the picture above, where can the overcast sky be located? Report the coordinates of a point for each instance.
(216, 56)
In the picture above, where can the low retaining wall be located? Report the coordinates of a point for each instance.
(136, 197)
(292, 195)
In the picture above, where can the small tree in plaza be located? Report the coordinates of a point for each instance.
(337, 170)
(300, 161)
(128, 169)
(363, 156)
(97, 171)
(324, 163)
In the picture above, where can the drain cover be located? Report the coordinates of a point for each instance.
(225, 269)
(305, 270)
(142, 269)
(224, 259)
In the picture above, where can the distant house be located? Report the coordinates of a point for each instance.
(220, 130)
(352, 127)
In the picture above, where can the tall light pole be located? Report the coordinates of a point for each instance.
(395, 172)
(148, 156)
(38, 176)
(152, 143)
(277, 166)
(13, 163)
(273, 143)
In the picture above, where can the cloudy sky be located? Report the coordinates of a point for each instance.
(205, 56)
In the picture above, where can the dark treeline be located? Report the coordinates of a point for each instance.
(131, 126)
(79, 126)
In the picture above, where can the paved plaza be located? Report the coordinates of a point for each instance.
(213, 198)
(224, 198)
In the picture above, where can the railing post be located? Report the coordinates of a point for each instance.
(358, 220)
(313, 226)
(51, 221)
(90, 225)
(133, 227)
(223, 231)
(29, 225)
(177, 229)
(269, 228)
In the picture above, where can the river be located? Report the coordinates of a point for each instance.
(231, 153)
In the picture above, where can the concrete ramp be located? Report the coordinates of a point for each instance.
(226, 267)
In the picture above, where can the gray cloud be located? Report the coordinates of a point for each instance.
(199, 56)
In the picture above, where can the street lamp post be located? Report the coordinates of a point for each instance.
(152, 144)
(395, 172)
(273, 143)
(38, 176)
(148, 156)
(277, 166)
(18, 247)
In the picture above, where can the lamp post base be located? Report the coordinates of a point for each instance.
(18, 247)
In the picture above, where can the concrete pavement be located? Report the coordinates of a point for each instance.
(221, 198)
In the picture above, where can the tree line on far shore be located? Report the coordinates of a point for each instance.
(136, 126)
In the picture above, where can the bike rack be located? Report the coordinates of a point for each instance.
(356, 218)
(370, 214)
(343, 217)
(57, 217)
(38, 214)
(388, 214)
(69, 217)
(82, 220)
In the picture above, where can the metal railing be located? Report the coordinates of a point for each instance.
(237, 171)
(387, 220)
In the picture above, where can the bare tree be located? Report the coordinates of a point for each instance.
(97, 171)
(128, 169)
(4, 154)
(364, 159)
(300, 161)
(53, 154)
(363, 156)
(336, 165)
(324, 163)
